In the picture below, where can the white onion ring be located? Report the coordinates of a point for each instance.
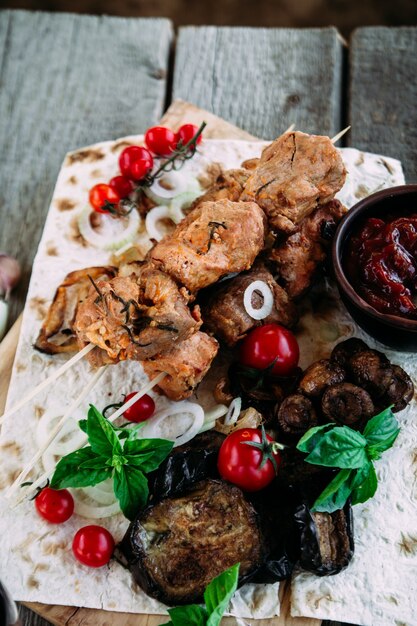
(176, 183)
(152, 217)
(266, 308)
(183, 201)
(215, 412)
(92, 511)
(153, 427)
(100, 493)
(233, 413)
(109, 241)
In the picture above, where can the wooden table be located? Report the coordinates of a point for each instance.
(68, 81)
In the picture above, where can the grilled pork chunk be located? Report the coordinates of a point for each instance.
(296, 174)
(137, 316)
(215, 239)
(186, 364)
(177, 546)
(225, 315)
(228, 186)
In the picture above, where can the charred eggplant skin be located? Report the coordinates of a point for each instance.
(312, 558)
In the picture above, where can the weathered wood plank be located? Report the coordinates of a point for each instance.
(67, 81)
(263, 79)
(383, 93)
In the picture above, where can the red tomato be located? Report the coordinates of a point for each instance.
(121, 185)
(55, 505)
(160, 140)
(100, 195)
(270, 344)
(141, 410)
(249, 467)
(135, 162)
(93, 546)
(186, 133)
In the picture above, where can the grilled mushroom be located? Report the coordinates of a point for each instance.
(400, 390)
(296, 415)
(371, 370)
(346, 349)
(319, 375)
(347, 404)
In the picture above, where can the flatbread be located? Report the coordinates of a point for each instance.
(37, 564)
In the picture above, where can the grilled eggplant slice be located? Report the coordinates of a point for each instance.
(326, 539)
(177, 546)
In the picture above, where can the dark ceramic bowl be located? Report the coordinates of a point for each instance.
(393, 331)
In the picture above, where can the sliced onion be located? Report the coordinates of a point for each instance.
(182, 201)
(265, 291)
(102, 493)
(166, 187)
(177, 430)
(113, 238)
(153, 217)
(215, 412)
(233, 412)
(91, 510)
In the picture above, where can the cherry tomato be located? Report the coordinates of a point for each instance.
(160, 140)
(55, 505)
(135, 162)
(186, 133)
(102, 194)
(122, 186)
(270, 344)
(141, 410)
(93, 546)
(249, 467)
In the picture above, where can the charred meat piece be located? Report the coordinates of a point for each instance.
(344, 350)
(320, 375)
(177, 546)
(296, 174)
(186, 364)
(57, 334)
(228, 186)
(400, 390)
(215, 239)
(326, 540)
(371, 370)
(348, 405)
(299, 257)
(136, 317)
(225, 315)
(186, 465)
(296, 415)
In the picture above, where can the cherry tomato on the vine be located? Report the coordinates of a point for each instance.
(121, 185)
(186, 133)
(160, 140)
(142, 410)
(135, 162)
(270, 345)
(93, 546)
(55, 505)
(101, 195)
(250, 467)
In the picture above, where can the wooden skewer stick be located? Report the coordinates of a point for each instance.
(31, 489)
(340, 135)
(55, 431)
(289, 129)
(61, 370)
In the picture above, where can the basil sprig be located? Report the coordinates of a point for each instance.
(353, 453)
(217, 597)
(113, 453)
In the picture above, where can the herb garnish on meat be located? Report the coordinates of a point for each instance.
(353, 453)
(113, 453)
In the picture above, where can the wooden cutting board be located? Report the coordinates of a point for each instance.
(179, 112)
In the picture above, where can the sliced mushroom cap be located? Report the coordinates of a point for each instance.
(347, 404)
(320, 375)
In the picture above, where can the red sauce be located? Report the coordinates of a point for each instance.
(381, 263)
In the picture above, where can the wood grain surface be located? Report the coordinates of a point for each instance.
(81, 79)
(263, 79)
(383, 94)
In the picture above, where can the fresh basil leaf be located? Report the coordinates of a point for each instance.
(364, 484)
(381, 431)
(312, 437)
(69, 473)
(101, 434)
(190, 615)
(147, 454)
(341, 447)
(83, 425)
(334, 496)
(98, 462)
(131, 489)
(218, 594)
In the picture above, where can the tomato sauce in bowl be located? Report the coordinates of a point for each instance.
(380, 261)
